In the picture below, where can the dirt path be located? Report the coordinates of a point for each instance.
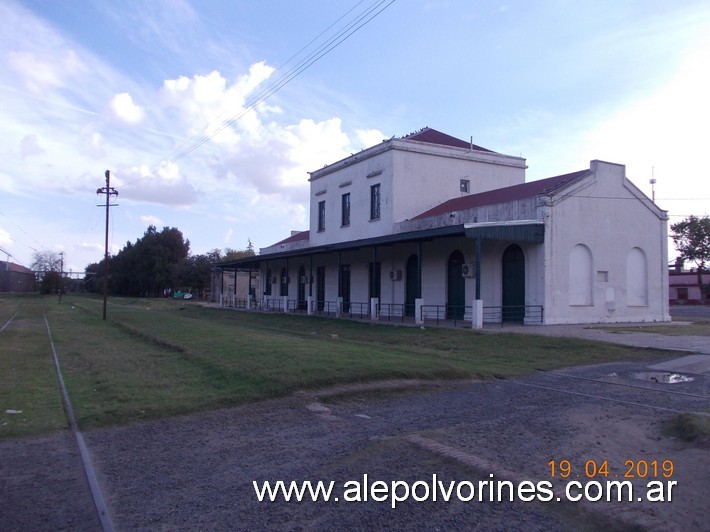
(197, 471)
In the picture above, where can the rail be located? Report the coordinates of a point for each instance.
(391, 311)
(448, 313)
(520, 314)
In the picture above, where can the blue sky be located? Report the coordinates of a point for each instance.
(131, 86)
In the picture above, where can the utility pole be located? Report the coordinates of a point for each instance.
(61, 275)
(109, 191)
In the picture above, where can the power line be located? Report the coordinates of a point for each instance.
(325, 48)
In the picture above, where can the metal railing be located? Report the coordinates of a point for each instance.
(438, 314)
(514, 314)
(274, 304)
(356, 310)
(449, 313)
(325, 308)
(391, 311)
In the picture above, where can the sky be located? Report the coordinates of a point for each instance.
(209, 114)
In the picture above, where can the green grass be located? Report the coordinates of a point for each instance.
(156, 358)
(688, 427)
(690, 327)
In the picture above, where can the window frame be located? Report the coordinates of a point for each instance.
(345, 210)
(321, 216)
(375, 201)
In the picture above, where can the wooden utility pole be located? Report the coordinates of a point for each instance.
(109, 191)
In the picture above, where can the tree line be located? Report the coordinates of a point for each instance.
(157, 264)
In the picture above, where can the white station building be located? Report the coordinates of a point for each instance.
(430, 227)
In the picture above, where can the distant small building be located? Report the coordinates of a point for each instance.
(684, 288)
(228, 293)
(16, 278)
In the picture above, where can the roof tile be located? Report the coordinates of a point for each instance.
(502, 195)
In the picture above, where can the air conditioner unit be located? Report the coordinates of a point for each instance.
(396, 275)
(468, 270)
(304, 279)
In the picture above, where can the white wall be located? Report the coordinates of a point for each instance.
(426, 179)
(610, 219)
(413, 178)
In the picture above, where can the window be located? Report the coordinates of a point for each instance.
(345, 212)
(321, 216)
(465, 186)
(284, 282)
(683, 294)
(267, 283)
(375, 202)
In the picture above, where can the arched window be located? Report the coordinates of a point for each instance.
(636, 278)
(580, 276)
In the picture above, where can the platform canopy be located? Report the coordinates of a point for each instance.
(514, 230)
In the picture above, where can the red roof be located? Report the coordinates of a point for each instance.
(295, 237)
(432, 136)
(503, 195)
(11, 266)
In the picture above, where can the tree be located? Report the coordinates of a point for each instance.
(144, 268)
(47, 266)
(692, 240)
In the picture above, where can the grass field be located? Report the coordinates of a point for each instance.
(159, 357)
(688, 327)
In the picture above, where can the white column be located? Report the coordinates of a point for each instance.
(418, 318)
(374, 303)
(338, 307)
(285, 303)
(477, 314)
(309, 305)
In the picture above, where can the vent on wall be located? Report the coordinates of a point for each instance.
(468, 270)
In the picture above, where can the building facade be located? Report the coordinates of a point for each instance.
(16, 278)
(686, 288)
(430, 227)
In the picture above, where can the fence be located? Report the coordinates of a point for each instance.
(520, 314)
(439, 314)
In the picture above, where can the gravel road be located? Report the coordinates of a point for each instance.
(196, 472)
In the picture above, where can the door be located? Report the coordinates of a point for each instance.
(456, 287)
(345, 286)
(320, 287)
(374, 279)
(301, 288)
(513, 284)
(412, 285)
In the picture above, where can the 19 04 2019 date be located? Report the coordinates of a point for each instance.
(639, 468)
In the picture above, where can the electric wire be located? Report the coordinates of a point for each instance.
(325, 48)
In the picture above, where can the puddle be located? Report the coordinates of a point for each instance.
(662, 377)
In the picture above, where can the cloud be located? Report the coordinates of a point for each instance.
(125, 110)
(165, 186)
(148, 219)
(5, 238)
(29, 146)
(43, 73)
